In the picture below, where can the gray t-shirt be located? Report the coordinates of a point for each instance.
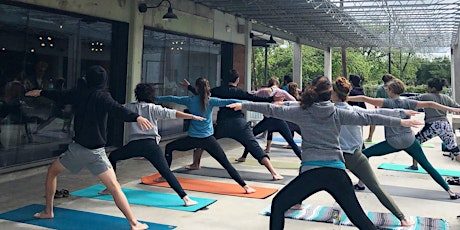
(320, 126)
(399, 137)
(152, 112)
(432, 115)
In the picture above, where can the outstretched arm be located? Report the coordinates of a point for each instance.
(186, 84)
(183, 115)
(375, 101)
(434, 105)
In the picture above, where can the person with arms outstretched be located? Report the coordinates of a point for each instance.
(144, 143)
(402, 138)
(200, 133)
(232, 124)
(322, 167)
(92, 104)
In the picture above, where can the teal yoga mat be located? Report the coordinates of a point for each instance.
(381, 220)
(402, 168)
(426, 145)
(298, 140)
(147, 198)
(73, 219)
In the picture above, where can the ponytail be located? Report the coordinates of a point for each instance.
(204, 91)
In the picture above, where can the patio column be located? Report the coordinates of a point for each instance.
(328, 63)
(297, 64)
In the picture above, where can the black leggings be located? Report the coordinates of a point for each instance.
(149, 149)
(211, 146)
(334, 181)
(276, 125)
(239, 130)
(292, 126)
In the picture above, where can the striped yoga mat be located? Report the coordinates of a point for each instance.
(381, 220)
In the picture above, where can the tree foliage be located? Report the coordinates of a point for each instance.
(371, 63)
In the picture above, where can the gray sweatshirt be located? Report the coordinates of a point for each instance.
(432, 115)
(351, 136)
(320, 126)
(151, 112)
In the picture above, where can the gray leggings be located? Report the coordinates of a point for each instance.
(359, 165)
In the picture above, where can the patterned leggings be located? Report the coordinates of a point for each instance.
(443, 130)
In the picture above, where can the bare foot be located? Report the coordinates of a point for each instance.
(277, 177)
(407, 222)
(249, 189)
(104, 192)
(368, 140)
(188, 201)
(43, 215)
(297, 207)
(139, 226)
(241, 159)
(192, 167)
(267, 150)
(159, 179)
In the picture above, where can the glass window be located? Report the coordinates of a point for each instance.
(168, 59)
(42, 50)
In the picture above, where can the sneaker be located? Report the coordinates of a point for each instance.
(359, 187)
(455, 196)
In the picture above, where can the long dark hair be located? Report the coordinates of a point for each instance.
(319, 90)
(204, 91)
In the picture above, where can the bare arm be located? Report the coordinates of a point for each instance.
(434, 105)
(34, 93)
(375, 101)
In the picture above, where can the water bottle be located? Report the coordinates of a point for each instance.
(336, 216)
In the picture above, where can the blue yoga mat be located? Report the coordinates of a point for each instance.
(147, 198)
(72, 219)
(402, 168)
(280, 139)
(381, 220)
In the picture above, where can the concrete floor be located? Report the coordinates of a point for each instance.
(229, 212)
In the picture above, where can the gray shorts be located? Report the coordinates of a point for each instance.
(77, 157)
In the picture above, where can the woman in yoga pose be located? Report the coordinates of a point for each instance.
(322, 165)
(200, 133)
(402, 138)
(144, 143)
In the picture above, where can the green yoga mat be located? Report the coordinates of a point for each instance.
(69, 219)
(147, 198)
(381, 220)
(402, 168)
